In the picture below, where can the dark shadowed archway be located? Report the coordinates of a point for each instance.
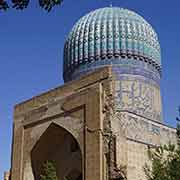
(58, 145)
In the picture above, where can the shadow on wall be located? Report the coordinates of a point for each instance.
(58, 145)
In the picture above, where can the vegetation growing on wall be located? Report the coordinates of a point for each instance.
(48, 171)
(165, 161)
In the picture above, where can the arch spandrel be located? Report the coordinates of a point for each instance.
(70, 124)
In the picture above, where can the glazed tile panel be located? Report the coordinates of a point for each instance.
(139, 96)
(119, 67)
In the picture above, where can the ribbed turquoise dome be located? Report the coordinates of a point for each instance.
(109, 35)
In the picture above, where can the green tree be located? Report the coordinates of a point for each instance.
(165, 161)
(22, 4)
(48, 171)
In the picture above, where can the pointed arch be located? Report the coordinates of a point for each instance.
(59, 145)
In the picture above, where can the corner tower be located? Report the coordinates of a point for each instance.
(122, 39)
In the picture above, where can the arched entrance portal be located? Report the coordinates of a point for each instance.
(58, 145)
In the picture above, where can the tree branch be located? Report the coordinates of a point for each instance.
(3, 5)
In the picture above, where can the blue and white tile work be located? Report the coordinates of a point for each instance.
(107, 35)
(142, 130)
(138, 95)
(119, 66)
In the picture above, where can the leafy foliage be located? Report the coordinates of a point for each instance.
(48, 171)
(49, 4)
(165, 161)
(178, 134)
(22, 4)
(3, 5)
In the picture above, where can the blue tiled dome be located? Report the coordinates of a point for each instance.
(107, 36)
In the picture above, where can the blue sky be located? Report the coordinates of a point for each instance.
(31, 54)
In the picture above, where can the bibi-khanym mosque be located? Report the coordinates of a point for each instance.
(100, 124)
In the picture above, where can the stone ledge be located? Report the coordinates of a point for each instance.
(62, 91)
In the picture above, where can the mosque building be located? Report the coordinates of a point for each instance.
(100, 124)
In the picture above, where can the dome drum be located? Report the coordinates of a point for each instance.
(125, 66)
